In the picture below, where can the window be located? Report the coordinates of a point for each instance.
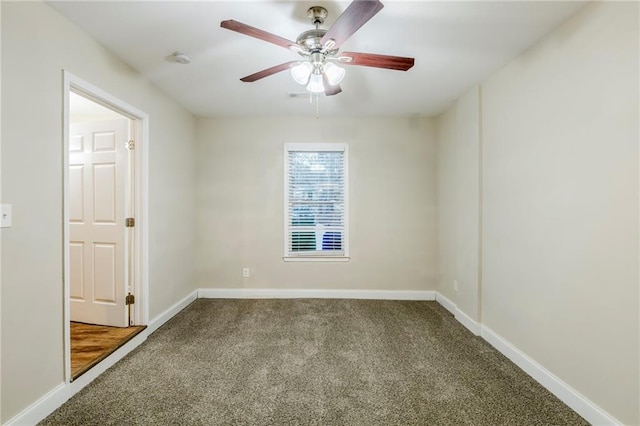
(316, 184)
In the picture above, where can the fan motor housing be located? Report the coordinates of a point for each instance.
(310, 40)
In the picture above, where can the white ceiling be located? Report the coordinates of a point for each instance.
(456, 44)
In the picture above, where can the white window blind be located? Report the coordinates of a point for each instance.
(315, 201)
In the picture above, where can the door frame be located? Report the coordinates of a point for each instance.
(140, 124)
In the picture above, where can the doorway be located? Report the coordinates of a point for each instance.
(98, 207)
(105, 285)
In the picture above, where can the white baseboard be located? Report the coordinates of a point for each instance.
(446, 303)
(468, 322)
(462, 318)
(157, 322)
(273, 293)
(581, 405)
(41, 408)
(62, 392)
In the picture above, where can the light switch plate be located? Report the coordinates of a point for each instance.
(5, 216)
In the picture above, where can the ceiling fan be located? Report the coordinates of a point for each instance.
(319, 48)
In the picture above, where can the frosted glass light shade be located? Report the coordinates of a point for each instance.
(334, 73)
(301, 72)
(315, 84)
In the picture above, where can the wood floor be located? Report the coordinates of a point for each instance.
(91, 343)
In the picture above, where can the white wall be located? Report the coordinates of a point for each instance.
(392, 203)
(458, 136)
(468, 203)
(447, 144)
(37, 44)
(0, 230)
(560, 197)
(560, 137)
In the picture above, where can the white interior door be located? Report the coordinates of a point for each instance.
(97, 178)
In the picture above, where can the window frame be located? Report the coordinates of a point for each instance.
(316, 147)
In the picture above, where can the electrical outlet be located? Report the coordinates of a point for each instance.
(246, 273)
(455, 285)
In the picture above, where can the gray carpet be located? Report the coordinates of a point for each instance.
(314, 362)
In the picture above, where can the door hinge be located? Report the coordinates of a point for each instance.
(130, 222)
(131, 144)
(130, 299)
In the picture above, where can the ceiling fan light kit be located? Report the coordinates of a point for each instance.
(334, 73)
(315, 83)
(301, 72)
(304, 73)
(319, 48)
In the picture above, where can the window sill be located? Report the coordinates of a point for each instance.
(316, 258)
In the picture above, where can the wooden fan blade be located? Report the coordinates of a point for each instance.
(355, 15)
(378, 61)
(330, 90)
(267, 72)
(257, 33)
